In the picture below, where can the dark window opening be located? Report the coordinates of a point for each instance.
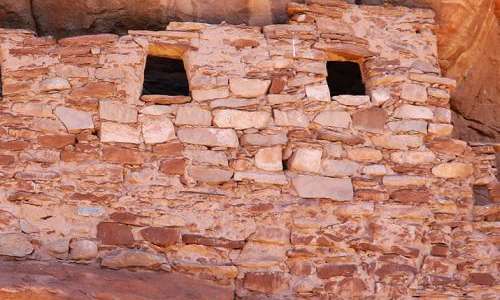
(165, 76)
(344, 78)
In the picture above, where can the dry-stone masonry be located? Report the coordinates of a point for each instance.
(259, 180)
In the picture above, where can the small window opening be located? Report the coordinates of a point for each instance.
(165, 76)
(344, 78)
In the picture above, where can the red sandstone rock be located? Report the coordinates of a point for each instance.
(331, 270)
(122, 155)
(161, 236)
(114, 234)
(482, 279)
(265, 282)
(56, 141)
(213, 242)
(173, 166)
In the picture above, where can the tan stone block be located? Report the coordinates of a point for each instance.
(210, 94)
(73, 119)
(404, 180)
(240, 119)
(54, 84)
(209, 136)
(407, 111)
(367, 155)
(269, 159)
(414, 92)
(318, 93)
(453, 170)
(398, 142)
(33, 109)
(339, 168)
(83, 250)
(291, 118)
(209, 174)
(340, 119)
(440, 130)
(157, 129)
(15, 245)
(406, 126)
(264, 140)
(261, 177)
(306, 160)
(119, 133)
(351, 100)
(193, 115)
(413, 157)
(248, 88)
(371, 120)
(217, 158)
(323, 187)
(117, 111)
(125, 258)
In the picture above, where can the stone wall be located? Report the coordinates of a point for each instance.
(259, 180)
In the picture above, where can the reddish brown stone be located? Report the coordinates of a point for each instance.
(6, 160)
(371, 120)
(95, 90)
(439, 250)
(327, 271)
(277, 85)
(300, 268)
(482, 279)
(412, 196)
(124, 218)
(388, 269)
(265, 282)
(371, 195)
(211, 242)
(56, 140)
(244, 43)
(161, 236)
(84, 40)
(169, 149)
(114, 234)
(447, 146)
(14, 145)
(173, 166)
(352, 286)
(120, 155)
(73, 156)
(346, 138)
(405, 251)
(92, 197)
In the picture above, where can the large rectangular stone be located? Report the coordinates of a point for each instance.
(214, 137)
(240, 119)
(262, 177)
(117, 111)
(120, 133)
(323, 187)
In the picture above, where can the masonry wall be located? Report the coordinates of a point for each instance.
(258, 180)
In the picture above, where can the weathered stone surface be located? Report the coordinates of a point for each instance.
(33, 109)
(323, 187)
(119, 133)
(407, 111)
(367, 155)
(261, 177)
(209, 136)
(264, 140)
(54, 84)
(217, 158)
(269, 159)
(239, 119)
(209, 174)
(350, 100)
(371, 120)
(306, 160)
(73, 119)
(339, 168)
(15, 245)
(398, 142)
(174, 166)
(193, 115)
(404, 180)
(161, 236)
(413, 157)
(331, 118)
(83, 250)
(292, 118)
(212, 242)
(380, 95)
(210, 94)
(132, 259)
(263, 282)
(406, 126)
(117, 112)
(414, 92)
(331, 270)
(114, 234)
(56, 141)
(248, 88)
(453, 170)
(157, 130)
(165, 99)
(318, 93)
(122, 155)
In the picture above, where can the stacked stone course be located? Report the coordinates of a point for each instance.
(258, 180)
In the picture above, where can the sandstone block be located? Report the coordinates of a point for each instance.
(281, 99)
(413, 157)
(122, 155)
(15, 245)
(261, 255)
(114, 234)
(132, 258)
(217, 158)
(209, 136)
(448, 146)
(33, 109)
(350, 100)
(211, 242)
(331, 118)
(370, 120)
(193, 115)
(442, 115)
(117, 111)
(453, 170)
(306, 160)
(210, 94)
(366, 155)
(380, 95)
(414, 92)
(406, 126)
(433, 79)
(407, 111)
(269, 159)
(6, 160)
(119, 133)
(441, 130)
(56, 141)
(404, 180)
(54, 84)
(175, 166)
(161, 236)
(261, 177)
(292, 118)
(43, 156)
(332, 270)
(420, 195)
(438, 93)
(271, 234)
(323, 187)
(157, 129)
(265, 282)
(318, 93)
(165, 99)
(248, 88)
(240, 119)
(264, 140)
(73, 119)
(375, 170)
(339, 168)
(83, 250)
(209, 174)
(172, 149)
(398, 142)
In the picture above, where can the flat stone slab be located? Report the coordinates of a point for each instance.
(29, 280)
